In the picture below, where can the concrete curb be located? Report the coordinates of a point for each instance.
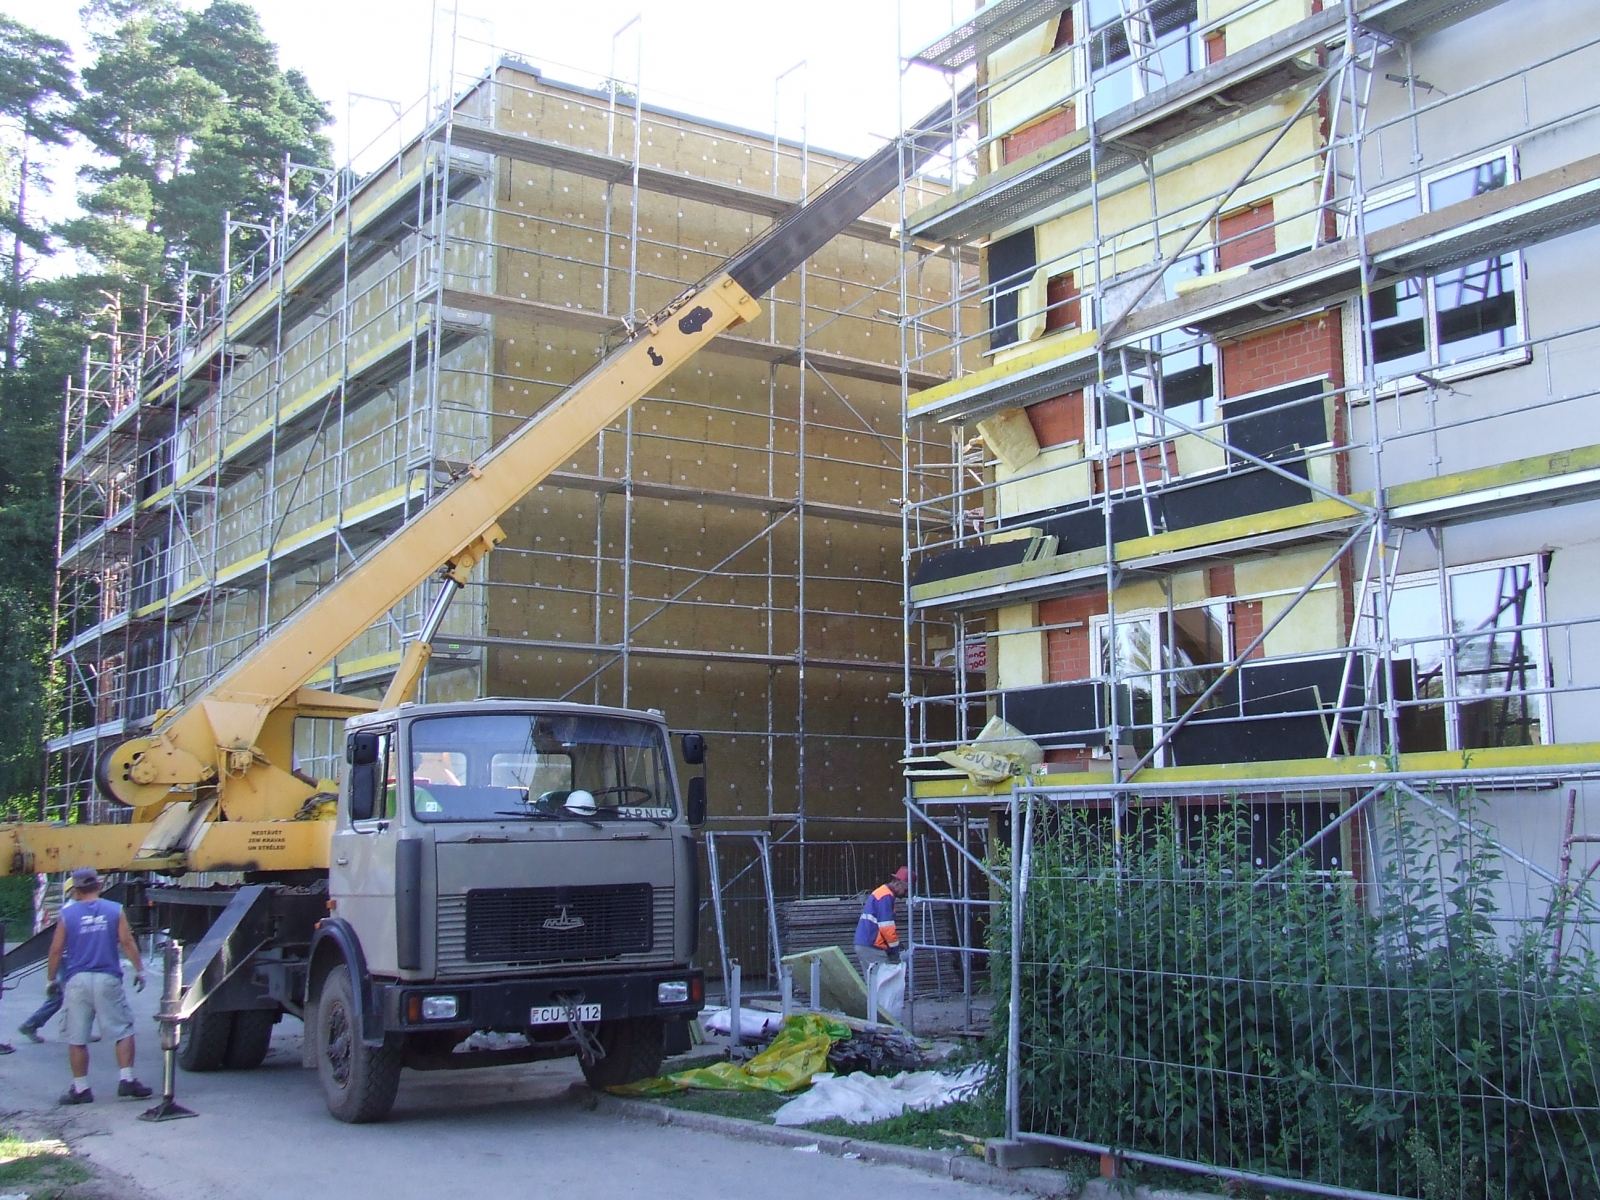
(951, 1164)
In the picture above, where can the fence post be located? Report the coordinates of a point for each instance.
(1014, 1000)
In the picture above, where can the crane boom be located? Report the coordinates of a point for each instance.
(227, 753)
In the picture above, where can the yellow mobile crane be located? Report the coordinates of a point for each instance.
(539, 877)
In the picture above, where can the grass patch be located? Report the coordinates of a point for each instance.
(46, 1163)
(935, 1129)
(747, 1106)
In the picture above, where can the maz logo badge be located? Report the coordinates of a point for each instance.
(564, 922)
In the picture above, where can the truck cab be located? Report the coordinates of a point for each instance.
(505, 867)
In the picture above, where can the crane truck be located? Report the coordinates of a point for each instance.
(494, 866)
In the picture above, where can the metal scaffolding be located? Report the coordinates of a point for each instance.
(1201, 197)
(727, 552)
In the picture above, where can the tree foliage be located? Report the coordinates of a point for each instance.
(189, 115)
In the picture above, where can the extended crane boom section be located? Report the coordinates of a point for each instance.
(226, 756)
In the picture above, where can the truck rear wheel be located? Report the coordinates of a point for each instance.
(250, 1040)
(358, 1081)
(634, 1049)
(203, 1041)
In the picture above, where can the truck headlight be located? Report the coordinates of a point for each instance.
(675, 992)
(439, 1008)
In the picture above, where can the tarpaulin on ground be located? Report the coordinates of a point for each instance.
(798, 1052)
(861, 1098)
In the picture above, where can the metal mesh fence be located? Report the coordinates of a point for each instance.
(1385, 990)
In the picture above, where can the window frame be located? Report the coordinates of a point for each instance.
(1143, 424)
(1518, 353)
(1160, 684)
(1452, 700)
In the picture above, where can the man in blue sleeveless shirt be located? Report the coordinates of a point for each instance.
(85, 954)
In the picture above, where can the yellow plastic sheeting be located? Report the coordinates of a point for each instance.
(798, 1052)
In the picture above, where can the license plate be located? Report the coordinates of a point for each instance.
(559, 1014)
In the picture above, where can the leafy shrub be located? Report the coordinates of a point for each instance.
(1177, 998)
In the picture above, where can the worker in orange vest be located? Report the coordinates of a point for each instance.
(877, 939)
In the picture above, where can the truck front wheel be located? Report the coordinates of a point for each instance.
(634, 1049)
(358, 1081)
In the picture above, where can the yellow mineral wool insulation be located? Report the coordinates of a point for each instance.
(1196, 455)
(1259, 21)
(1009, 436)
(1053, 480)
(1035, 91)
(1190, 176)
(1031, 304)
(1312, 625)
(1023, 657)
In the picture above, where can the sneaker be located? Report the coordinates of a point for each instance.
(132, 1089)
(31, 1034)
(7, 1048)
(73, 1097)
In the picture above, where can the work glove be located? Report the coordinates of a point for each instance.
(894, 954)
(138, 981)
(53, 989)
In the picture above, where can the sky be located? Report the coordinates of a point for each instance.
(713, 58)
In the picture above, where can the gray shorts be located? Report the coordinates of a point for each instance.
(870, 956)
(91, 994)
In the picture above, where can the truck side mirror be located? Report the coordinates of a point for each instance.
(363, 790)
(694, 800)
(362, 749)
(694, 749)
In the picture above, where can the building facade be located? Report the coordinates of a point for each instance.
(1280, 459)
(728, 553)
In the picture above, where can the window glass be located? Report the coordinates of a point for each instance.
(1415, 625)
(1400, 328)
(1137, 691)
(546, 766)
(1198, 649)
(1477, 309)
(1462, 314)
(1464, 185)
(1497, 663)
(1391, 212)
(1161, 36)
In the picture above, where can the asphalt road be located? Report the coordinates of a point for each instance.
(501, 1132)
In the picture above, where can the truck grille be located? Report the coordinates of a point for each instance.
(491, 927)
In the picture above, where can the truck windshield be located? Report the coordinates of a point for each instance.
(538, 767)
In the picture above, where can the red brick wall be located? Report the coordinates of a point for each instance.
(1041, 133)
(1124, 468)
(1068, 649)
(1057, 421)
(1063, 308)
(1285, 354)
(1247, 626)
(1063, 31)
(1216, 46)
(1245, 236)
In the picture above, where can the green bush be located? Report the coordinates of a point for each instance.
(1179, 999)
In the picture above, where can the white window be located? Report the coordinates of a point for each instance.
(1136, 50)
(1191, 649)
(1460, 321)
(1478, 685)
(1181, 383)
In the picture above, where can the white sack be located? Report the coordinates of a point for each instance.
(892, 989)
(753, 1022)
(861, 1098)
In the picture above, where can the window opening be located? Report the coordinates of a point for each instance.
(1471, 314)
(1133, 55)
(1479, 686)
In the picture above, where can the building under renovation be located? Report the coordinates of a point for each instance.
(730, 553)
(1277, 467)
